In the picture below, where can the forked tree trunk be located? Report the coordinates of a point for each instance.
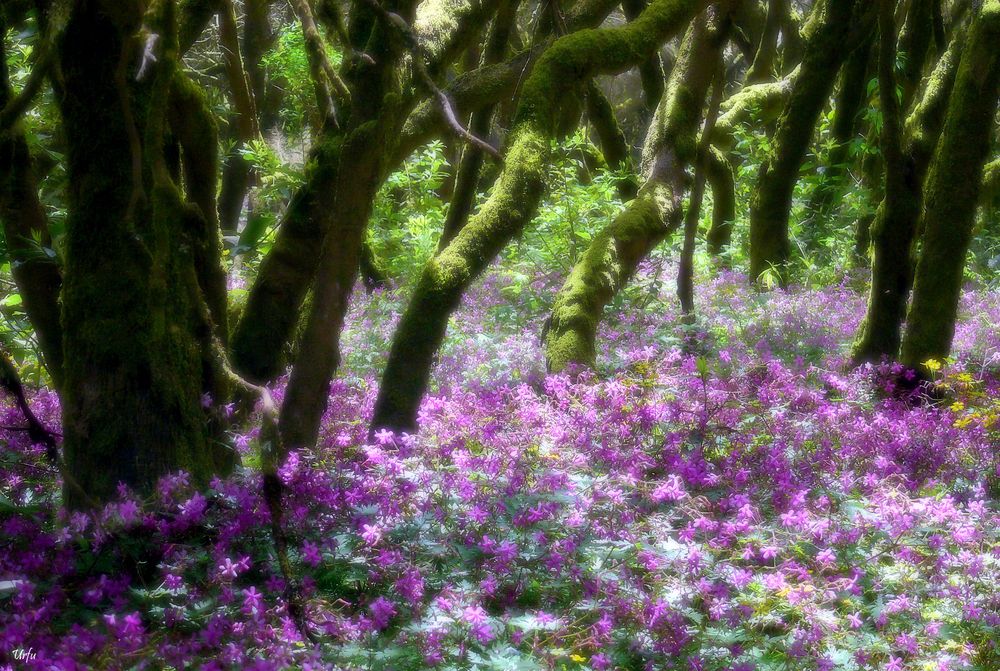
(952, 193)
(571, 60)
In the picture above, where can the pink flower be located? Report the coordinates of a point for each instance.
(371, 533)
(382, 612)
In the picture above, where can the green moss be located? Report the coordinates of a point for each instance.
(761, 102)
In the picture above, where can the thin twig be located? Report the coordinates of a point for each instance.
(397, 24)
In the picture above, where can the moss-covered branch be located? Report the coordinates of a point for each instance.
(758, 102)
(570, 60)
(614, 253)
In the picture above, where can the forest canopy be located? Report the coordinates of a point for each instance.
(500, 334)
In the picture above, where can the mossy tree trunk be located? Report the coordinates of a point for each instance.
(569, 62)
(765, 59)
(952, 193)
(133, 339)
(275, 299)
(894, 229)
(615, 252)
(828, 35)
(721, 177)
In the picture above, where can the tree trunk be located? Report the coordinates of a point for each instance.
(952, 193)
(470, 167)
(828, 36)
(571, 60)
(895, 226)
(722, 179)
(762, 68)
(274, 301)
(133, 384)
(615, 252)
(914, 45)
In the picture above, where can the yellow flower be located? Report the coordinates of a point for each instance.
(579, 659)
(932, 365)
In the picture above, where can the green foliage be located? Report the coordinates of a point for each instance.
(580, 202)
(409, 213)
(287, 64)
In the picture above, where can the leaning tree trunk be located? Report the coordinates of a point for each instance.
(571, 60)
(615, 252)
(894, 229)
(828, 36)
(133, 338)
(952, 193)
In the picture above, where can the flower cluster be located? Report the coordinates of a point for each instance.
(740, 503)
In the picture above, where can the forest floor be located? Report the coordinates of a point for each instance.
(751, 505)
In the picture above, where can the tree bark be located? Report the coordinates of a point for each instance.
(571, 60)
(133, 382)
(952, 193)
(763, 66)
